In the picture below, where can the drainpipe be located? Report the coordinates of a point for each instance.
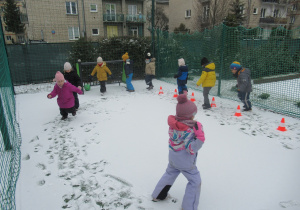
(84, 23)
(78, 17)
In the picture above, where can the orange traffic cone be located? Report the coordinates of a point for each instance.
(193, 97)
(238, 112)
(213, 103)
(175, 94)
(160, 91)
(281, 127)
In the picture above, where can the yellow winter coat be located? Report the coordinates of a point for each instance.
(101, 72)
(208, 76)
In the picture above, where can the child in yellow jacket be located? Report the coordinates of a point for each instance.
(207, 79)
(102, 70)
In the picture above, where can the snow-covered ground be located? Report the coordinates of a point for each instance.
(113, 152)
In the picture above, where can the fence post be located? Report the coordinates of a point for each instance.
(223, 35)
(3, 128)
(157, 50)
(80, 74)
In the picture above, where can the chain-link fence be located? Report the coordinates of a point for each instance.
(273, 56)
(10, 139)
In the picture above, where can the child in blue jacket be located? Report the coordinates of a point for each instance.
(186, 137)
(182, 76)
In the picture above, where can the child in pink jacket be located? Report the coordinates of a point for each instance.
(186, 137)
(65, 99)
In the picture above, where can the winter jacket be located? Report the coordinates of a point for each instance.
(73, 78)
(182, 75)
(128, 67)
(101, 71)
(150, 67)
(244, 80)
(65, 97)
(208, 76)
(183, 145)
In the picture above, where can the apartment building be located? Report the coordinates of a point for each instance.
(200, 14)
(10, 37)
(55, 21)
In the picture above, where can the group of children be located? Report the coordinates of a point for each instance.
(186, 135)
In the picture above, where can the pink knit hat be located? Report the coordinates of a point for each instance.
(59, 76)
(185, 108)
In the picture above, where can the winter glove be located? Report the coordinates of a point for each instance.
(127, 76)
(198, 130)
(175, 76)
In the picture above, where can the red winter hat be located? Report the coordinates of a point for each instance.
(59, 76)
(185, 108)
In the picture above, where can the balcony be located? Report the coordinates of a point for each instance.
(136, 18)
(113, 18)
(275, 1)
(272, 20)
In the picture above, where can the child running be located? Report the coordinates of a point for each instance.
(65, 99)
(73, 78)
(102, 70)
(186, 137)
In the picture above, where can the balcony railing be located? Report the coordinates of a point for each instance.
(23, 18)
(136, 18)
(272, 20)
(275, 1)
(113, 18)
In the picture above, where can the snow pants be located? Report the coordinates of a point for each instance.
(192, 190)
(205, 95)
(128, 82)
(244, 97)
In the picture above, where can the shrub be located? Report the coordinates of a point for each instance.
(264, 96)
(298, 104)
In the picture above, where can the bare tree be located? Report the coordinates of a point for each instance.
(210, 13)
(249, 6)
(161, 21)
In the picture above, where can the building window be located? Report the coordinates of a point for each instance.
(242, 10)
(133, 31)
(132, 13)
(276, 13)
(6, 28)
(263, 13)
(292, 19)
(21, 39)
(255, 11)
(93, 8)
(2, 9)
(8, 38)
(294, 7)
(71, 8)
(188, 13)
(205, 13)
(95, 31)
(73, 33)
(110, 12)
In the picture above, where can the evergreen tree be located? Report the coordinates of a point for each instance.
(236, 16)
(12, 17)
(181, 29)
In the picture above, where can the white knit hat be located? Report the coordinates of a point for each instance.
(99, 60)
(181, 62)
(67, 66)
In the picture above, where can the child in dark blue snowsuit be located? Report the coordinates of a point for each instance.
(181, 76)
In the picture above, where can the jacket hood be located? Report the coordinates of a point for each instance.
(152, 60)
(211, 66)
(245, 71)
(173, 123)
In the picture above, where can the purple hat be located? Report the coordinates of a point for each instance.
(185, 108)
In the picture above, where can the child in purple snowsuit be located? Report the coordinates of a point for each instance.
(65, 99)
(186, 138)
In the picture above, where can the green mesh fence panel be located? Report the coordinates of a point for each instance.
(10, 140)
(273, 56)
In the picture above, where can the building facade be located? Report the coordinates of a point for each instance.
(65, 21)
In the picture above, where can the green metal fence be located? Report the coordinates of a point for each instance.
(10, 139)
(273, 56)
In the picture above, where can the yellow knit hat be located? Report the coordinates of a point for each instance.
(125, 56)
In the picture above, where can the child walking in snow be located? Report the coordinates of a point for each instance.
(207, 79)
(102, 70)
(128, 67)
(186, 137)
(149, 71)
(244, 85)
(73, 78)
(181, 76)
(65, 99)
